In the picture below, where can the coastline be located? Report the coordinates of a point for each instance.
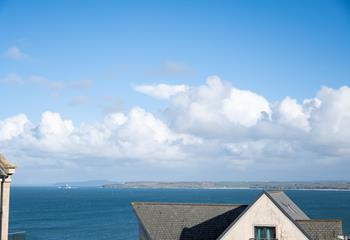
(273, 185)
(233, 188)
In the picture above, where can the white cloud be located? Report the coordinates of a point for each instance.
(213, 128)
(138, 136)
(115, 119)
(292, 114)
(245, 107)
(53, 133)
(219, 111)
(217, 108)
(13, 126)
(331, 120)
(15, 53)
(52, 125)
(161, 91)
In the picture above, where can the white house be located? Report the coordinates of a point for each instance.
(272, 216)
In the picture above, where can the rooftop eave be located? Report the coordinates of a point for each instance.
(6, 166)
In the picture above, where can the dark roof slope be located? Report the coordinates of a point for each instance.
(168, 221)
(321, 229)
(288, 206)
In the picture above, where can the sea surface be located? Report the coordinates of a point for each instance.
(48, 213)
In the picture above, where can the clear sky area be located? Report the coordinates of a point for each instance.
(175, 90)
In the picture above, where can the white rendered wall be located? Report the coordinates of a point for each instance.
(264, 213)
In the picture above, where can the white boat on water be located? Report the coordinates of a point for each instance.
(66, 186)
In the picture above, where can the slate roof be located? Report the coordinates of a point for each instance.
(321, 229)
(169, 221)
(177, 221)
(288, 206)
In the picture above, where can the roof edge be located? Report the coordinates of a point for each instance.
(320, 220)
(186, 204)
(139, 220)
(242, 213)
(287, 215)
(264, 192)
(6, 166)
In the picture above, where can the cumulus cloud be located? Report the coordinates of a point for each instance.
(219, 111)
(245, 107)
(12, 127)
(161, 91)
(137, 136)
(213, 128)
(15, 53)
(330, 121)
(217, 107)
(291, 113)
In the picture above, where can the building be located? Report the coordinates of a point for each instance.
(273, 215)
(6, 171)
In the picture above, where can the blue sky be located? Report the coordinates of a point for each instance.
(85, 59)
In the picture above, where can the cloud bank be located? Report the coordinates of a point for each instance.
(213, 131)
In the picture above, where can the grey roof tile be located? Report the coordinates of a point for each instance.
(172, 221)
(287, 205)
(186, 221)
(321, 229)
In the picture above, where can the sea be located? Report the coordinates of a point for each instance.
(50, 213)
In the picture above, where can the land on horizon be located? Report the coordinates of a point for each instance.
(262, 185)
(272, 185)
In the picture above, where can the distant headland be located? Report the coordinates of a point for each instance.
(314, 185)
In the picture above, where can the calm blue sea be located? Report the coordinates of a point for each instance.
(48, 213)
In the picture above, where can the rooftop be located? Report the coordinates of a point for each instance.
(6, 168)
(321, 229)
(185, 221)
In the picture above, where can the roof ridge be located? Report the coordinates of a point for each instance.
(292, 208)
(268, 194)
(185, 204)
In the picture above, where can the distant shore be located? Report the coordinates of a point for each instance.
(325, 186)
